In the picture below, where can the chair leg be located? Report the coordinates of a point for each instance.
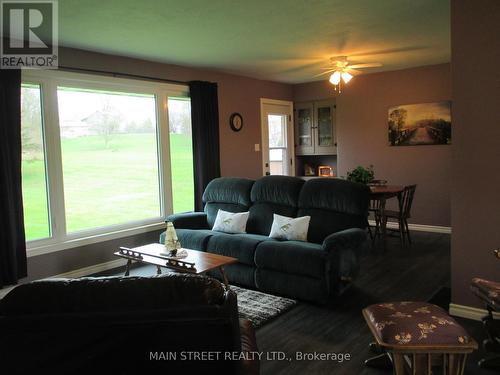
(490, 363)
(380, 361)
(377, 225)
(401, 232)
(407, 232)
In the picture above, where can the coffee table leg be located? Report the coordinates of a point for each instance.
(224, 277)
(127, 268)
(158, 270)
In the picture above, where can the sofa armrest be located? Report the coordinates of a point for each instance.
(250, 366)
(352, 238)
(189, 220)
(344, 249)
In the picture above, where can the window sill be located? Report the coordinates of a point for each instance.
(69, 244)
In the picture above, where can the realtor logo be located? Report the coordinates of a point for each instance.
(29, 34)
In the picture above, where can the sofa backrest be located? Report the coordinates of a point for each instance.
(73, 326)
(226, 193)
(272, 195)
(112, 294)
(333, 205)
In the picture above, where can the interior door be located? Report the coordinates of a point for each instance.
(277, 137)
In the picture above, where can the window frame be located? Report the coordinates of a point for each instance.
(49, 81)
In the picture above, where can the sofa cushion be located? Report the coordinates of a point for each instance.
(324, 222)
(283, 190)
(273, 195)
(237, 273)
(228, 194)
(196, 239)
(416, 324)
(289, 285)
(240, 246)
(333, 205)
(293, 257)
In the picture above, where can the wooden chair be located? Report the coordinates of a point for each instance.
(377, 206)
(404, 213)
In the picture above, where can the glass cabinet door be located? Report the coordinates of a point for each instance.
(304, 122)
(324, 135)
(325, 138)
(305, 127)
(315, 128)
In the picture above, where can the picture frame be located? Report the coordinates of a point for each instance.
(420, 124)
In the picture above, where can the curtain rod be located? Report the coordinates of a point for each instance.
(123, 75)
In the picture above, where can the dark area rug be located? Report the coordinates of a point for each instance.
(259, 307)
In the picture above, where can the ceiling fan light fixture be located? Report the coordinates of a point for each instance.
(346, 77)
(335, 78)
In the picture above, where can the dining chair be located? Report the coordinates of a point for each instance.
(377, 205)
(404, 213)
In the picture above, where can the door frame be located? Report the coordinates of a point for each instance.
(290, 133)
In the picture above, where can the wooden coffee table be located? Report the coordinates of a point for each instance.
(197, 262)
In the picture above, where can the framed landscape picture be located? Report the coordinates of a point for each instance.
(420, 124)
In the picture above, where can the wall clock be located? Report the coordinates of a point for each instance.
(236, 122)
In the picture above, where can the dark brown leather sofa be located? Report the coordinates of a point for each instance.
(127, 325)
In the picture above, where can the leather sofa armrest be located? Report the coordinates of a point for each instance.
(248, 344)
(352, 238)
(189, 220)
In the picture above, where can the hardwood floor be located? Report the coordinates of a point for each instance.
(395, 274)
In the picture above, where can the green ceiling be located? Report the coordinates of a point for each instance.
(282, 40)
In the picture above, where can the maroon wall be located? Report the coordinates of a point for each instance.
(475, 31)
(362, 133)
(236, 94)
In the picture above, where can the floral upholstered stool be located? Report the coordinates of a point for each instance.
(417, 336)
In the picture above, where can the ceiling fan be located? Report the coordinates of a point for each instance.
(341, 70)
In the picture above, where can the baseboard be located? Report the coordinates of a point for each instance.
(90, 270)
(418, 227)
(469, 312)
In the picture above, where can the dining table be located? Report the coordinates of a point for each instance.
(382, 193)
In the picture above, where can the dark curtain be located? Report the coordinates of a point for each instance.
(12, 240)
(205, 122)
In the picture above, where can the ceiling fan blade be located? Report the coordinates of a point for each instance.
(387, 51)
(367, 65)
(354, 72)
(327, 72)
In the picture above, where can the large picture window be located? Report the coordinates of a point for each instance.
(109, 157)
(102, 155)
(181, 154)
(36, 211)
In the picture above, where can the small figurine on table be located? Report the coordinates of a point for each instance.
(172, 243)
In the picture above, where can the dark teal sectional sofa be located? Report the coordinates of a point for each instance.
(316, 270)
